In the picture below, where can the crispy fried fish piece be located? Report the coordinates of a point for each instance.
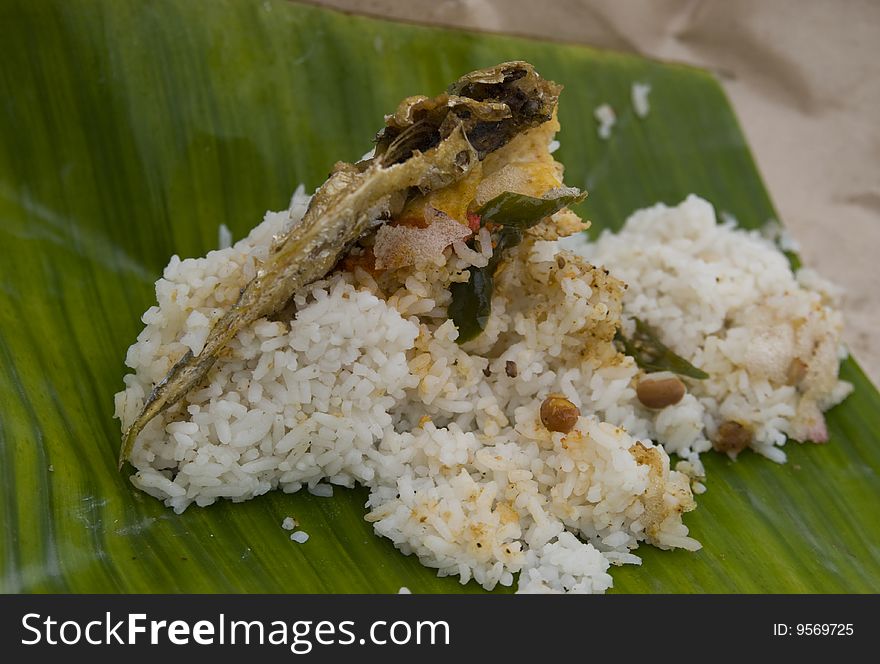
(427, 144)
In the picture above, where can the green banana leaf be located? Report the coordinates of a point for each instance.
(130, 130)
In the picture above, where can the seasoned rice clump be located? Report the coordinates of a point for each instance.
(365, 383)
(727, 300)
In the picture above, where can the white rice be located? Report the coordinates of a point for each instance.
(224, 237)
(606, 117)
(776, 233)
(639, 95)
(322, 490)
(289, 523)
(300, 537)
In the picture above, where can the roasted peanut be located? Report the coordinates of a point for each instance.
(660, 392)
(732, 437)
(559, 414)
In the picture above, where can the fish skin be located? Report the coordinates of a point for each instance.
(438, 154)
(493, 105)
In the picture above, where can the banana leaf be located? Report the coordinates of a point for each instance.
(130, 130)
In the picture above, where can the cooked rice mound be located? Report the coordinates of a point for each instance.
(360, 380)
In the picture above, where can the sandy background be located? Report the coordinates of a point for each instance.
(804, 79)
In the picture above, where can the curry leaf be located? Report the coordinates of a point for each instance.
(652, 355)
(511, 209)
(471, 303)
